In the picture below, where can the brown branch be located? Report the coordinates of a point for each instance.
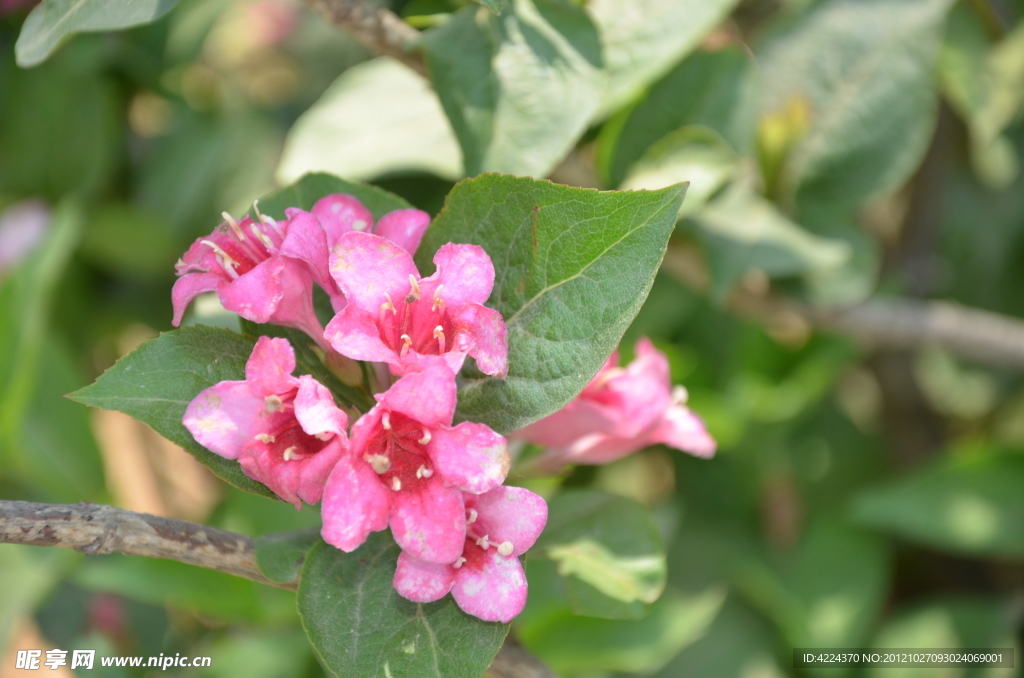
(377, 29)
(95, 529)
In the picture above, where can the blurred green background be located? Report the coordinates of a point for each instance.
(838, 151)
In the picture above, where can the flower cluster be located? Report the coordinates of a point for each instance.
(403, 464)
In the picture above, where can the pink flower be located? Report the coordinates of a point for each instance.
(396, 317)
(340, 213)
(487, 581)
(262, 270)
(619, 412)
(286, 432)
(406, 467)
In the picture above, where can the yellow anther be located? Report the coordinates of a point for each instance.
(458, 563)
(505, 548)
(272, 403)
(680, 395)
(264, 437)
(484, 542)
(426, 437)
(378, 462)
(290, 453)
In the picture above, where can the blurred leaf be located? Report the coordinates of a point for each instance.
(694, 154)
(518, 88)
(311, 187)
(360, 626)
(31, 574)
(743, 231)
(952, 389)
(714, 89)
(156, 382)
(971, 505)
(496, 6)
(172, 584)
(573, 645)
(606, 541)
(645, 38)
(864, 72)
(53, 20)
(126, 240)
(573, 268)
(378, 117)
(266, 654)
(280, 555)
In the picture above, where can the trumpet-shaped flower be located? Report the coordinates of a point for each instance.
(396, 317)
(487, 580)
(286, 431)
(621, 410)
(407, 467)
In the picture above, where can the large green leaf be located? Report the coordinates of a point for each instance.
(280, 555)
(157, 381)
(377, 117)
(360, 626)
(643, 39)
(606, 542)
(573, 268)
(311, 187)
(865, 73)
(519, 88)
(53, 20)
(971, 505)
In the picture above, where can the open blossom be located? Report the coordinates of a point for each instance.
(487, 581)
(394, 316)
(407, 467)
(340, 213)
(286, 431)
(621, 410)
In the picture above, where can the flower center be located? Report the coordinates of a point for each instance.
(291, 443)
(397, 453)
(418, 322)
(241, 246)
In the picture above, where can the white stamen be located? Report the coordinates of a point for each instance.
(439, 335)
(505, 548)
(472, 516)
(256, 209)
(406, 343)
(325, 435)
(680, 395)
(290, 454)
(385, 421)
(396, 484)
(426, 437)
(438, 301)
(234, 225)
(264, 437)
(414, 293)
(224, 256)
(378, 462)
(424, 472)
(272, 403)
(387, 306)
(262, 237)
(458, 563)
(359, 225)
(484, 542)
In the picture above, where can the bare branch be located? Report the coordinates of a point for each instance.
(95, 529)
(375, 28)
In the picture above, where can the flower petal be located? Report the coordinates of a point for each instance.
(316, 411)
(188, 287)
(340, 213)
(355, 503)
(466, 273)
(294, 480)
(369, 268)
(224, 417)
(682, 429)
(353, 332)
(405, 228)
(485, 336)
(305, 240)
(427, 396)
(496, 592)
(470, 456)
(269, 368)
(512, 514)
(430, 523)
(422, 581)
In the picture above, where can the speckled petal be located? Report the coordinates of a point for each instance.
(269, 368)
(496, 592)
(355, 503)
(405, 228)
(470, 456)
(466, 273)
(224, 417)
(340, 213)
(188, 287)
(316, 411)
(422, 581)
(430, 523)
(354, 333)
(305, 240)
(427, 396)
(485, 335)
(512, 514)
(368, 267)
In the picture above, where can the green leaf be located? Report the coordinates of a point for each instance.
(864, 71)
(156, 382)
(280, 555)
(377, 118)
(607, 542)
(573, 268)
(643, 39)
(519, 88)
(694, 154)
(496, 6)
(53, 20)
(311, 187)
(970, 505)
(743, 231)
(35, 573)
(575, 645)
(360, 626)
(713, 89)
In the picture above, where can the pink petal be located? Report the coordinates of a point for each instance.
(305, 240)
(599, 448)
(353, 332)
(430, 523)
(559, 430)
(369, 269)
(485, 336)
(224, 417)
(316, 411)
(365, 427)
(470, 456)
(269, 368)
(295, 480)
(255, 295)
(405, 228)
(466, 273)
(339, 214)
(682, 429)
(188, 287)
(427, 396)
(650, 363)
(355, 503)
(512, 514)
(422, 581)
(495, 592)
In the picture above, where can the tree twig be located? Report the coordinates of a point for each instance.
(95, 529)
(377, 29)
